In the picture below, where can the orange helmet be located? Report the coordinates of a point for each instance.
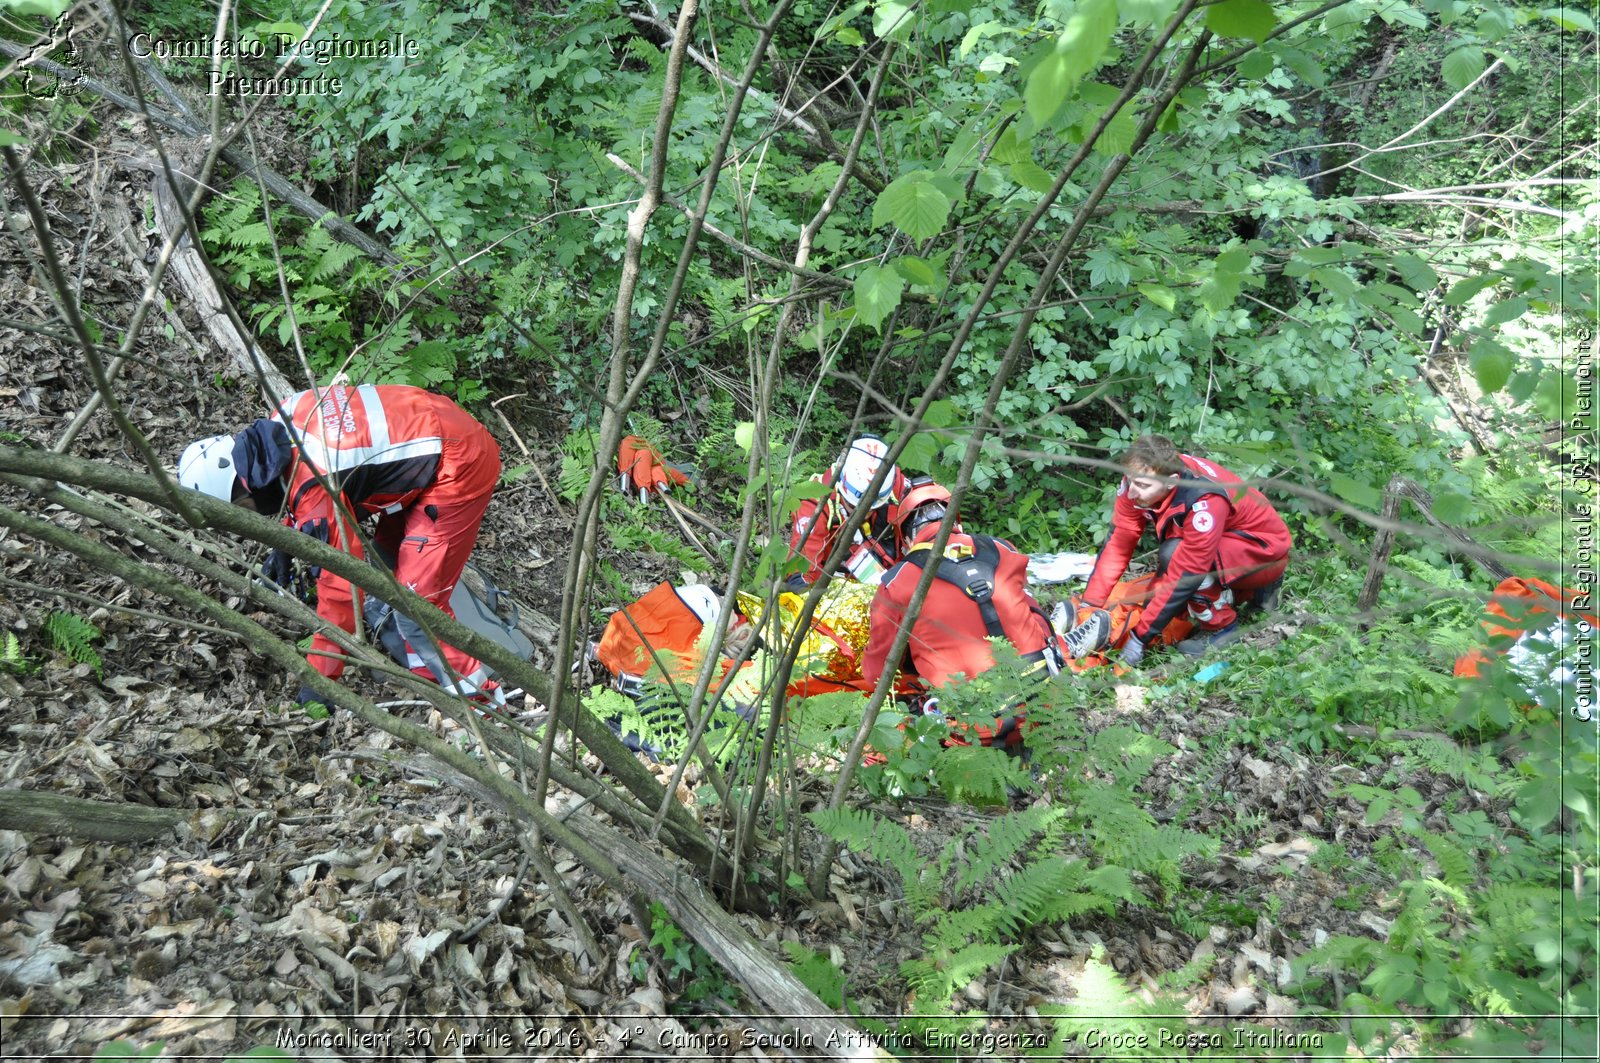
(923, 505)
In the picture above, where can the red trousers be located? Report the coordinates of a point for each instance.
(431, 539)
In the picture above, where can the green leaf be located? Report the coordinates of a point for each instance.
(127, 1050)
(8, 139)
(1452, 507)
(1462, 66)
(1357, 494)
(893, 18)
(1153, 12)
(1307, 258)
(1257, 64)
(1222, 288)
(744, 435)
(1252, 19)
(914, 204)
(975, 34)
(1491, 364)
(1165, 298)
(1032, 176)
(1464, 290)
(1086, 35)
(922, 450)
(1506, 310)
(877, 291)
(1305, 67)
(917, 271)
(1335, 280)
(1417, 274)
(1569, 18)
(50, 9)
(1080, 46)
(1047, 88)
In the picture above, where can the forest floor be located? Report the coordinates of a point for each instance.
(323, 886)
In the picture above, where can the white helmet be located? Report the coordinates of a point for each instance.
(859, 464)
(207, 466)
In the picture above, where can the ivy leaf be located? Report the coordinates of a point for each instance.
(878, 291)
(1462, 66)
(915, 204)
(1491, 364)
(1252, 19)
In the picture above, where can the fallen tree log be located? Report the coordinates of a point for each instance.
(188, 271)
(38, 812)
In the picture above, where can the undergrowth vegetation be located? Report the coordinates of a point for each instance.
(1328, 245)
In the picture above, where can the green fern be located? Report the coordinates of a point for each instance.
(997, 841)
(977, 774)
(73, 637)
(879, 838)
(939, 971)
(12, 659)
(577, 462)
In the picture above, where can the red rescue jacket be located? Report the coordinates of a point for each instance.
(818, 520)
(950, 639)
(381, 446)
(1209, 506)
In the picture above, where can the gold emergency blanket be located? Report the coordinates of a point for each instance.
(834, 647)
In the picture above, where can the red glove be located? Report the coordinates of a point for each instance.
(643, 469)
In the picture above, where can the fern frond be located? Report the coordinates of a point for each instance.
(877, 837)
(12, 659)
(73, 637)
(1456, 866)
(937, 974)
(978, 774)
(992, 845)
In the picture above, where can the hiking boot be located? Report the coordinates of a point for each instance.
(1089, 636)
(1202, 643)
(1266, 598)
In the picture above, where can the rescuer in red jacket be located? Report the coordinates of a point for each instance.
(1221, 544)
(420, 464)
(981, 592)
(818, 522)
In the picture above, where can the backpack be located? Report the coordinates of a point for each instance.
(481, 614)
